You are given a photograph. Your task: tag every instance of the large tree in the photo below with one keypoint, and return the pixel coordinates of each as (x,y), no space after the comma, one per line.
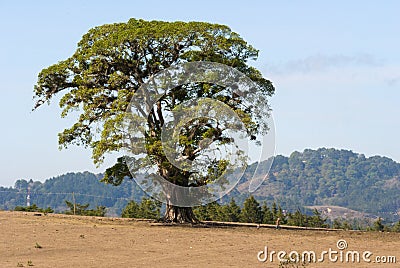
(114,61)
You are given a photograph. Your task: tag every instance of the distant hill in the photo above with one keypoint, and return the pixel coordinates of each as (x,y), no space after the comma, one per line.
(86,187)
(323,177)
(330,177)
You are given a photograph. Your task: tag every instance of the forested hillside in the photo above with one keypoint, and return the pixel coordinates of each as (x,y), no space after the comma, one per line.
(333,177)
(84,187)
(314,177)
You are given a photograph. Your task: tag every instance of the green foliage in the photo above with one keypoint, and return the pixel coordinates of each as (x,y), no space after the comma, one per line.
(337,224)
(274,210)
(297,219)
(131,210)
(147,209)
(33,208)
(216,212)
(268,216)
(378,225)
(210,212)
(396,227)
(251,211)
(150,208)
(78,209)
(231,212)
(316,220)
(346,226)
(280,215)
(110,64)
(201,213)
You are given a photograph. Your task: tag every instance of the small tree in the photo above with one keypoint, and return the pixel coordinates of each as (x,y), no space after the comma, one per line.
(232,211)
(378,225)
(251,211)
(210,212)
(147,209)
(268,217)
(150,208)
(76,209)
(396,227)
(346,225)
(281,215)
(337,224)
(34,208)
(317,220)
(99,211)
(297,219)
(131,210)
(274,209)
(82,210)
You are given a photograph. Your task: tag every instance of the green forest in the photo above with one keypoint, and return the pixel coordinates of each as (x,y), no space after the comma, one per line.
(85,187)
(312,177)
(334,177)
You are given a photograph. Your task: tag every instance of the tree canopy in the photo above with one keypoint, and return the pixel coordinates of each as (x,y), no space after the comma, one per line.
(113,61)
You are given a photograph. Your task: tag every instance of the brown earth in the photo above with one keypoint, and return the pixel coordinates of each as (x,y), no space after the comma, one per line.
(73,241)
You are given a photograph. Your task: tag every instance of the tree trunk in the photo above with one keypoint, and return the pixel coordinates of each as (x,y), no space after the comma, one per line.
(179,214)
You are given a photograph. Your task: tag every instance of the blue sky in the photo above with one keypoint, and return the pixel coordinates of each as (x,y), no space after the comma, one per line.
(336,68)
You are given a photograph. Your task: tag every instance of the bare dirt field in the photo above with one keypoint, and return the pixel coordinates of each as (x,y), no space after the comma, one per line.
(72,241)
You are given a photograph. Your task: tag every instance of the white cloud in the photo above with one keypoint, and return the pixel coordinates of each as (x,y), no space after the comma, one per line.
(321,63)
(341,72)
